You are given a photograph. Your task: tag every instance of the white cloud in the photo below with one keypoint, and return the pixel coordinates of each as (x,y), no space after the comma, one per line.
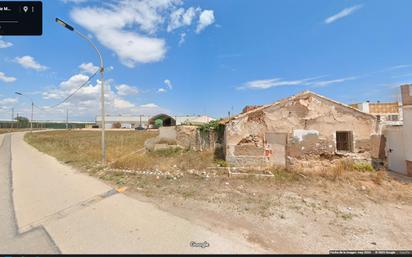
(180,18)
(5,78)
(125,90)
(122,104)
(5,44)
(330,82)
(8,101)
(86,102)
(182,38)
(150,105)
(29,62)
(168,83)
(88,68)
(345,12)
(276,82)
(129,27)
(68,87)
(206,18)
(169,86)
(111,26)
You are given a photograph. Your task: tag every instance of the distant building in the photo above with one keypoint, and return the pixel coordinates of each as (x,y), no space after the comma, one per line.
(399,137)
(144,121)
(389,113)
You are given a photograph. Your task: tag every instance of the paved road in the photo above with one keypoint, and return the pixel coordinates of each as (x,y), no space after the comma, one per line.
(58,209)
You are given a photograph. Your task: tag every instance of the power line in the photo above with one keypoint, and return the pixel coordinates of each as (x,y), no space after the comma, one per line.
(77,90)
(47,109)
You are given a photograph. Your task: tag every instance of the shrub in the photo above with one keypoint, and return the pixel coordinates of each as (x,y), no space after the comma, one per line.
(339,168)
(221,163)
(363,167)
(168,152)
(379,177)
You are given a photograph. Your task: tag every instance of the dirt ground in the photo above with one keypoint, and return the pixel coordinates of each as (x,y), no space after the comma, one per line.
(311,210)
(305,215)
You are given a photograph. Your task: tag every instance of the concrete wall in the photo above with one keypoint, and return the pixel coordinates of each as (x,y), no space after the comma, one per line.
(407,131)
(187,137)
(395,149)
(310,121)
(167,134)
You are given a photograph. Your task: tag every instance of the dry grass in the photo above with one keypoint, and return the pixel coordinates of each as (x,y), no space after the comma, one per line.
(166,160)
(256,195)
(82,148)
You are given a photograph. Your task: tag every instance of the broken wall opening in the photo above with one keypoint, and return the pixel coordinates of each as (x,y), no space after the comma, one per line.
(344,141)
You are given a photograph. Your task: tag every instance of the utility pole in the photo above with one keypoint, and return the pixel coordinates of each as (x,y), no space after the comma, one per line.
(31,120)
(101,70)
(67,118)
(32,109)
(12,118)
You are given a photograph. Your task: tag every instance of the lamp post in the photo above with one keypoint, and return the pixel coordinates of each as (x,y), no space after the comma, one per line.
(12,118)
(32,108)
(71,28)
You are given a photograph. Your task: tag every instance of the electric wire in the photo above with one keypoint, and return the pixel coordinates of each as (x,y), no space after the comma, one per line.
(48,108)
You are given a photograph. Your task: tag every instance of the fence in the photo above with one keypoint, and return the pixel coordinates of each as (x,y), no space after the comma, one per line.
(44,125)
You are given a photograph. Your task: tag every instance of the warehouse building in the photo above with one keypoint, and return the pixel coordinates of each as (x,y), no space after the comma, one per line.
(144,121)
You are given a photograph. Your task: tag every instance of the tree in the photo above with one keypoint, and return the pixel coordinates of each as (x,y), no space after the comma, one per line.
(22,122)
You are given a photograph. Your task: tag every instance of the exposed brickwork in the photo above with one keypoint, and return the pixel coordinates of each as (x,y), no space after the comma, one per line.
(249,108)
(383,108)
(409,168)
(406,91)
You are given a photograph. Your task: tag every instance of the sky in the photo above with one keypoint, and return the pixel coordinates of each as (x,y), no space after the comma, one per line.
(205,57)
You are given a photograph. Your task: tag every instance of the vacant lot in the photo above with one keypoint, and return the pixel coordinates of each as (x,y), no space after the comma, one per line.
(331,205)
(82,148)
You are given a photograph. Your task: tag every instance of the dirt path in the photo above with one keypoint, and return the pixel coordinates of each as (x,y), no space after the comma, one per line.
(84,215)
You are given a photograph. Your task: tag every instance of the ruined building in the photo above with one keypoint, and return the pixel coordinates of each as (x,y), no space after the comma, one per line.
(300,126)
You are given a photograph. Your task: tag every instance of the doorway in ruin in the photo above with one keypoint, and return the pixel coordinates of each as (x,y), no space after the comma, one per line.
(275,148)
(344,141)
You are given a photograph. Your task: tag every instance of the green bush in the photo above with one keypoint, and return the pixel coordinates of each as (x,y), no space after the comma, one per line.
(221,163)
(363,167)
(167,152)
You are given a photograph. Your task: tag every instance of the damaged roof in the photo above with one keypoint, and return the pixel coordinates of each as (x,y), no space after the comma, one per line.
(291,98)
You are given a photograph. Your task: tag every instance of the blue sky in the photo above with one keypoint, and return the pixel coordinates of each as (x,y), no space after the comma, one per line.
(207,57)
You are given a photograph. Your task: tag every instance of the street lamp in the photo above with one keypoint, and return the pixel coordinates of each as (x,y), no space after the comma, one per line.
(32,106)
(67,26)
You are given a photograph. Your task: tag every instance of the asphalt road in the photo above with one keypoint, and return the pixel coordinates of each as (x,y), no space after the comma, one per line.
(52,208)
